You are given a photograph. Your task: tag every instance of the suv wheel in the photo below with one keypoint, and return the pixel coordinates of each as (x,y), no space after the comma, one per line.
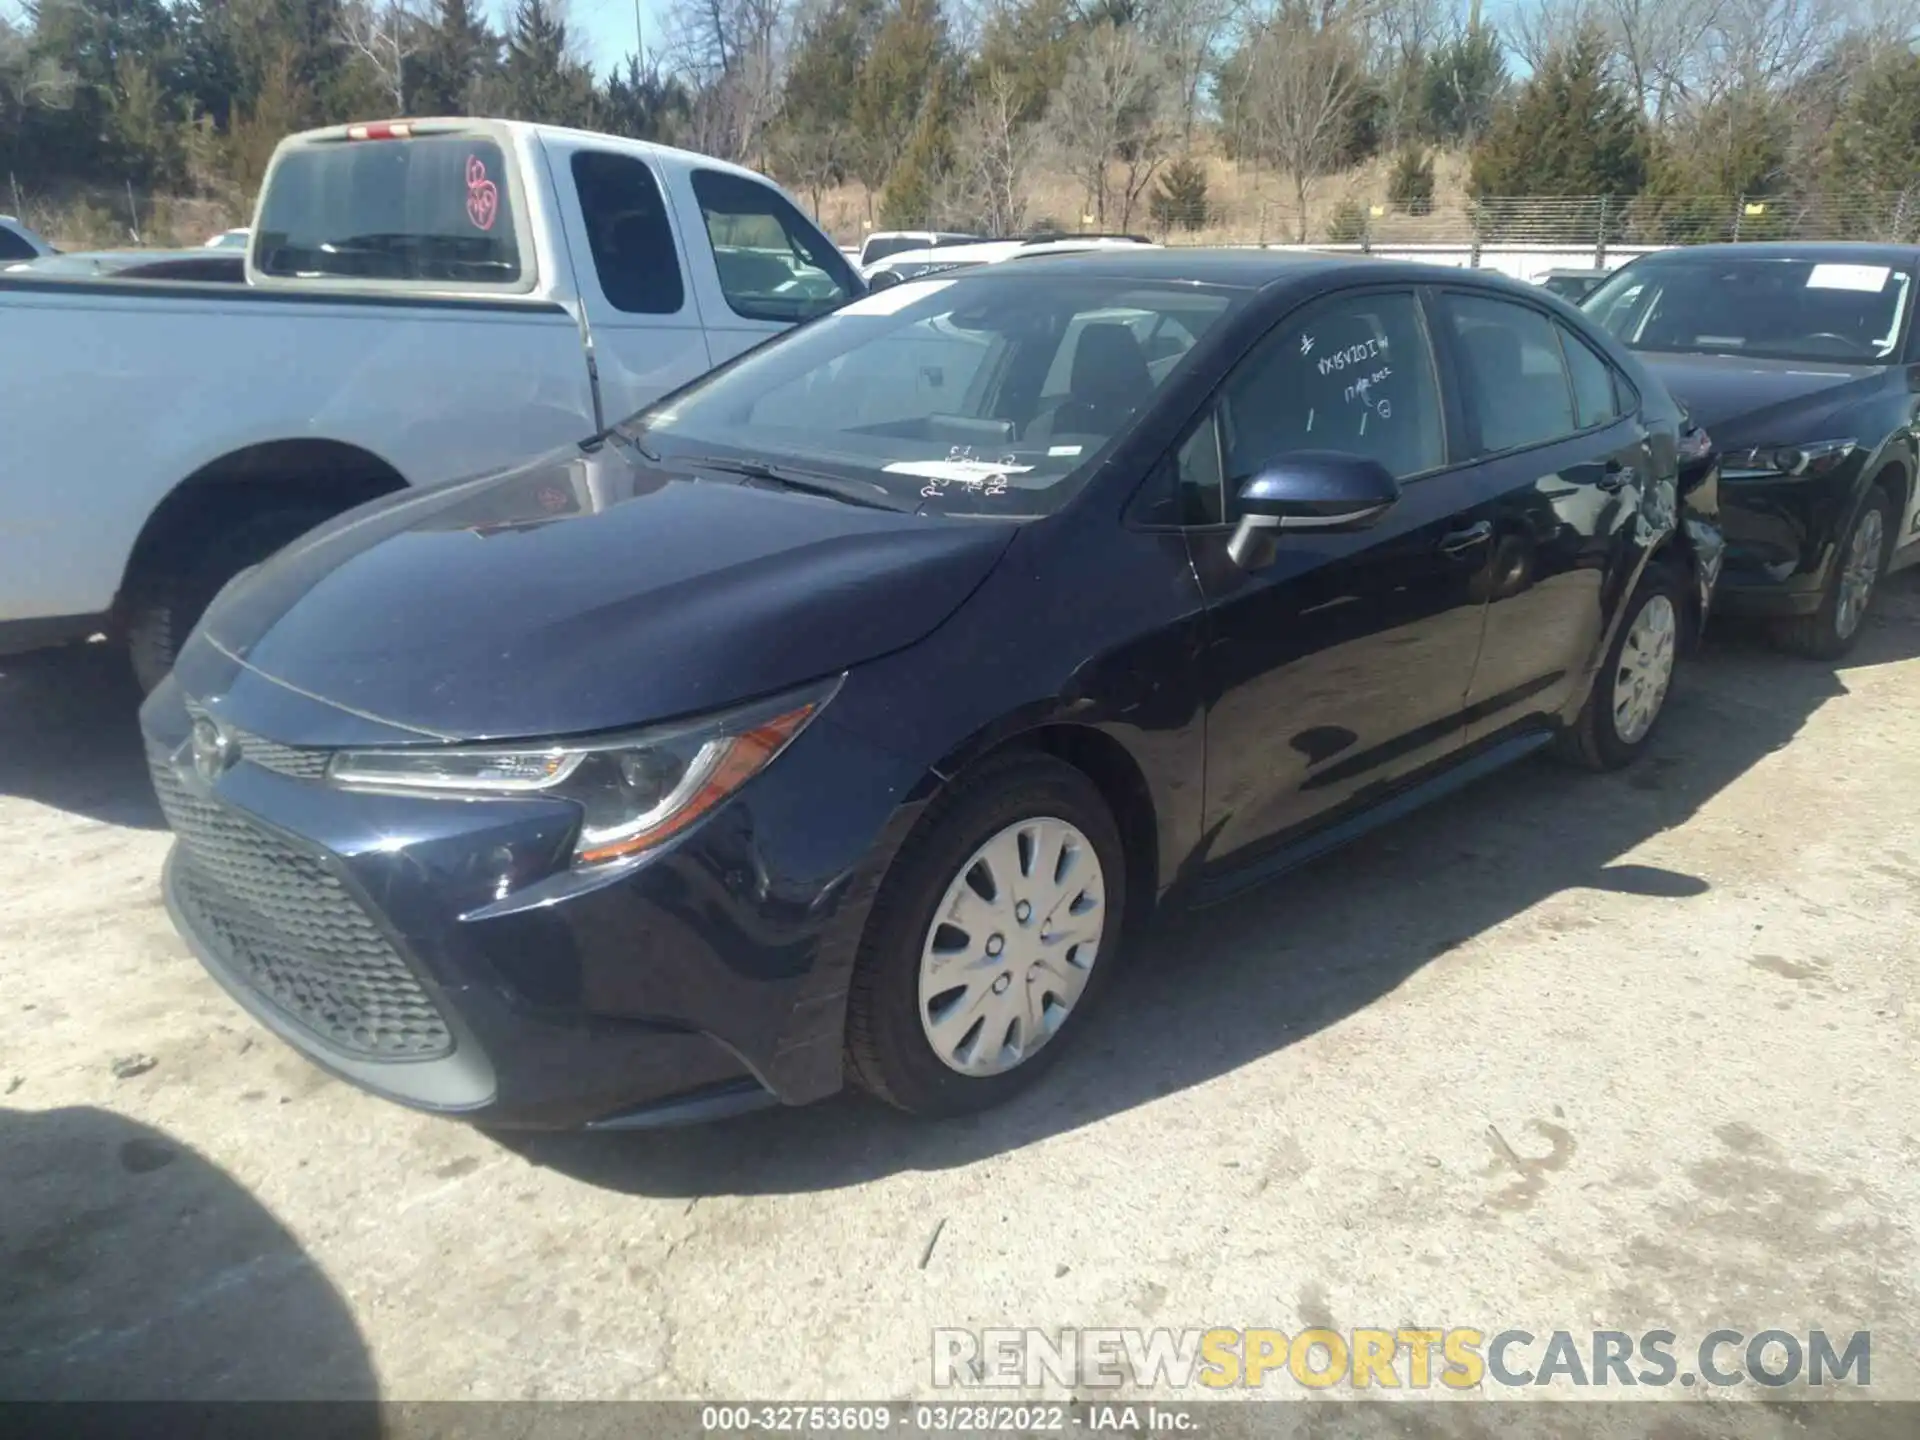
(1832,630)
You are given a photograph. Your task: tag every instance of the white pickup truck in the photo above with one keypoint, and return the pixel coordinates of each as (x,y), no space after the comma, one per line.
(424,300)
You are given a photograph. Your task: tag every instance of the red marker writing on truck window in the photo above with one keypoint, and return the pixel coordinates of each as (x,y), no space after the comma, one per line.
(483,196)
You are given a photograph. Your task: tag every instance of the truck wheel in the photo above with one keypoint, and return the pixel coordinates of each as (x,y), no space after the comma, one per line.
(1832,630)
(172,588)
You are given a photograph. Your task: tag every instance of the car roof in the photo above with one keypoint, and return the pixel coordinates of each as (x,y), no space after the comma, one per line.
(1829,251)
(1246,268)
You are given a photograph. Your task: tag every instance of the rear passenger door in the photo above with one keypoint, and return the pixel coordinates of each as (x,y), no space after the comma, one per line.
(633,280)
(1562,459)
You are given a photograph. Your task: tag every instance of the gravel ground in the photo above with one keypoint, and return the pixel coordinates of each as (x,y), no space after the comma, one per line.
(1563,1053)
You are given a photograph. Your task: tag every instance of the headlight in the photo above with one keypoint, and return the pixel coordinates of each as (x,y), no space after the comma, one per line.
(1800,462)
(636,790)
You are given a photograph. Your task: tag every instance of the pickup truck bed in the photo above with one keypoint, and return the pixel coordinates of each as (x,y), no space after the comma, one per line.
(162,436)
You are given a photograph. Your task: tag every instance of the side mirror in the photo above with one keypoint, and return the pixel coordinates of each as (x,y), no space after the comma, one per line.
(1310,490)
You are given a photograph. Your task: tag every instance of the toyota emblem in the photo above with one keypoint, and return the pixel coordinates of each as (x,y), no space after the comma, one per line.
(213,750)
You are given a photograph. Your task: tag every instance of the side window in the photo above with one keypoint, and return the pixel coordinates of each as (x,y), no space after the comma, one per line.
(1516,379)
(1203,490)
(629,233)
(1351,373)
(773,265)
(1595,396)
(12,247)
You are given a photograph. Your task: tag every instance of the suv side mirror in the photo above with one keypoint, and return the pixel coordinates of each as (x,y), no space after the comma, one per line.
(1310,490)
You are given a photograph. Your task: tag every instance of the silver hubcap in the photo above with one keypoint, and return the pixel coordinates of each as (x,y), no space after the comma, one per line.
(1857,576)
(1011,946)
(1646,668)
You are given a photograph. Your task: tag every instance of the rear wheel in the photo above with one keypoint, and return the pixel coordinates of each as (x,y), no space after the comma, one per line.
(1630,693)
(171,588)
(992,936)
(1832,630)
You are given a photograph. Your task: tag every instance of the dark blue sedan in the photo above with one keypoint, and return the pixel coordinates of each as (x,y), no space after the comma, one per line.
(837,715)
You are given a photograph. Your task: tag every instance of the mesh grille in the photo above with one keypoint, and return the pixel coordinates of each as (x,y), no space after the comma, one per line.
(301,764)
(291,931)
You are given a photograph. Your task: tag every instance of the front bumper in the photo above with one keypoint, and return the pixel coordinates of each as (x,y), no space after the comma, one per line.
(1781,540)
(441,954)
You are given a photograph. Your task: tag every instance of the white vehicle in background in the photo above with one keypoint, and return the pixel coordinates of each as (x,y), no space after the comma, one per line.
(913,264)
(881,244)
(230,239)
(424,300)
(17,242)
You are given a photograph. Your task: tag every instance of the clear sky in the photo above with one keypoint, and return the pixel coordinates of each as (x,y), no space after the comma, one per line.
(606,27)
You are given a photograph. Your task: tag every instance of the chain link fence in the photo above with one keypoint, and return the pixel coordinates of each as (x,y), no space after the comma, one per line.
(1586,227)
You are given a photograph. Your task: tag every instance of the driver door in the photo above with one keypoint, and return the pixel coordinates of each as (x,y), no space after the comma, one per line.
(1338,670)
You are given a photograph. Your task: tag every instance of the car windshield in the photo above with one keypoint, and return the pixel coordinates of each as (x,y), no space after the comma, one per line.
(1784,309)
(987,393)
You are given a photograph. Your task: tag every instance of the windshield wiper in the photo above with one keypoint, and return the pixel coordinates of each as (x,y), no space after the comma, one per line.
(804,482)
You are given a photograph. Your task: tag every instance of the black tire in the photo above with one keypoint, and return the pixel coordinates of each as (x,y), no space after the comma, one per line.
(172,588)
(1821,635)
(1594,741)
(888,1052)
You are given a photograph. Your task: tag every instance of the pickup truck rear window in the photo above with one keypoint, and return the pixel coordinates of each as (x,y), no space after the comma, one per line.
(432,209)
(773,265)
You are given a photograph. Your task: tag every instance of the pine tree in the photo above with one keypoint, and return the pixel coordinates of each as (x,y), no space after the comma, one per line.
(1410,186)
(541,80)
(900,102)
(1571,131)
(1462,83)
(457,50)
(1180,199)
(1876,145)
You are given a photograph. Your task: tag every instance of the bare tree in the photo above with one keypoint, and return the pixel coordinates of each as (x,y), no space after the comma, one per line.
(734,51)
(992,154)
(1399,37)
(1303,82)
(1112,109)
(1188,34)
(383,33)
(1538,31)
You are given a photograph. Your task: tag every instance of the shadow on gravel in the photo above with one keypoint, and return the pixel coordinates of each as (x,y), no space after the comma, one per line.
(1208,991)
(132,1268)
(70,735)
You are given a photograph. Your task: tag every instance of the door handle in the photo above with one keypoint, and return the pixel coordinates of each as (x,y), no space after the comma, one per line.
(1616,476)
(1461,541)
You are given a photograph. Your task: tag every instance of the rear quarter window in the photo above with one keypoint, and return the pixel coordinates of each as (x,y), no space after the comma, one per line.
(435,210)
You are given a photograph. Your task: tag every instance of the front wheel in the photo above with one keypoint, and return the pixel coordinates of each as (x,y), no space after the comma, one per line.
(1832,630)
(1630,692)
(991,937)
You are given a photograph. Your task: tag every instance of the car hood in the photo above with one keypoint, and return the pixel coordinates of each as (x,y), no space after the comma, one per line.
(1741,400)
(590,591)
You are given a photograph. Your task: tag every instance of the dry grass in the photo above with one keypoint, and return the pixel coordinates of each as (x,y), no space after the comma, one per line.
(1247,204)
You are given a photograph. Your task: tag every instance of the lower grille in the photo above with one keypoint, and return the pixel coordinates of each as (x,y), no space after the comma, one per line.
(290,930)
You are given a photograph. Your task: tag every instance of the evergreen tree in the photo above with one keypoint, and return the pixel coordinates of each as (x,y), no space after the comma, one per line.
(1571,131)
(457,51)
(643,103)
(1180,199)
(1462,83)
(1876,144)
(900,102)
(541,81)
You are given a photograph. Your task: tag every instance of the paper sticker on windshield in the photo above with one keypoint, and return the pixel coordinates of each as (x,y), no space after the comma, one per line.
(1054,452)
(960,472)
(894,298)
(1870,279)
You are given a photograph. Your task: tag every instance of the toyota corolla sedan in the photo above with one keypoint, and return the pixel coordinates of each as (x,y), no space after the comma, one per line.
(839,714)
(1803,364)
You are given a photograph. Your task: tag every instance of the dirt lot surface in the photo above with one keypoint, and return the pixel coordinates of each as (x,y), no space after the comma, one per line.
(1564,1053)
